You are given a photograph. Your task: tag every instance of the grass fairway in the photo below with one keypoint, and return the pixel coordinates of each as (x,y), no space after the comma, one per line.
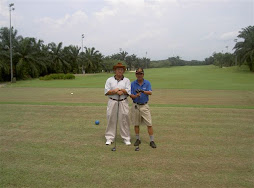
(204,135)
(187,77)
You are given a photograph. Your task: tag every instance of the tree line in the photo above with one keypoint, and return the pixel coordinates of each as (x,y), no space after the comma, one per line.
(176,61)
(32,58)
(217,59)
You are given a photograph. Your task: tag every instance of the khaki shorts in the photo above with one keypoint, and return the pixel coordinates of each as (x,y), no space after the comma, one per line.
(141,115)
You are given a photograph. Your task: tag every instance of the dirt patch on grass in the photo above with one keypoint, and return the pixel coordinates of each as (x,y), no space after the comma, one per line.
(2,85)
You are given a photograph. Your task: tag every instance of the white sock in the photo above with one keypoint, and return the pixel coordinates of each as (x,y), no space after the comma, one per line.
(151,138)
(137,136)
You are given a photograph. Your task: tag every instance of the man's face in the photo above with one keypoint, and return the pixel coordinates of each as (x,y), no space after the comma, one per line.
(139,75)
(119,71)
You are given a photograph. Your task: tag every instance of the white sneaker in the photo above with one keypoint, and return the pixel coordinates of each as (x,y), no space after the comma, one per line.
(127,143)
(108,142)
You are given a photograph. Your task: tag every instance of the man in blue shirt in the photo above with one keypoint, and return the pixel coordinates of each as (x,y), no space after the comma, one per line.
(140,112)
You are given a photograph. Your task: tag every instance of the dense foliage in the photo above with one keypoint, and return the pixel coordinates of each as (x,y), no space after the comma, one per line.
(222,59)
(32,58)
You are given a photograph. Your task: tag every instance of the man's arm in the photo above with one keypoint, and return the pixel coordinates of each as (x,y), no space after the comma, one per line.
(124,91)
(135,96)
(149,89)
(148,92)
(113,91)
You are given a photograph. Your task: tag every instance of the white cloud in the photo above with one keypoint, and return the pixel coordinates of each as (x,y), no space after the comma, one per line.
(188,28)
(209,36)
(224,36)
(208,1)
(4,12)
(61,29)
(161,27)
(105,12)
(229,35)
(76,18)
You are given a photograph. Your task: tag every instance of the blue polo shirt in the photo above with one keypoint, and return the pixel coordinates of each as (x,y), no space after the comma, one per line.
(146,86)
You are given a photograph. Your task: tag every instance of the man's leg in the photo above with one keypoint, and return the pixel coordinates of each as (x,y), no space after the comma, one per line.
(111,124)
(135,117)
(138,141)
(124,121)
(150,132)
(136,128)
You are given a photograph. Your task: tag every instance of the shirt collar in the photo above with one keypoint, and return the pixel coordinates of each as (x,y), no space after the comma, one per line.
(138,83)
(120,79)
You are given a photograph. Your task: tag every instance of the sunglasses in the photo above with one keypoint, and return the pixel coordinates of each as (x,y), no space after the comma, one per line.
(139,73)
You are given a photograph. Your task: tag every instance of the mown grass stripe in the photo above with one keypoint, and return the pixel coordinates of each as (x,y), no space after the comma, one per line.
(151,105)
(202,106)
(55,103)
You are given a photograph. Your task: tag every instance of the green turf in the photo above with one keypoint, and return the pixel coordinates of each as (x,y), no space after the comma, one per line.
(152,105)
(202,77)
(60,146)
(203,120)
(187,77)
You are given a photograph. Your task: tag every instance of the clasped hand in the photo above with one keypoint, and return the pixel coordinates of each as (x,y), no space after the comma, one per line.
(118,91)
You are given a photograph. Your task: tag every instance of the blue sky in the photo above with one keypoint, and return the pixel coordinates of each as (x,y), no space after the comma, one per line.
(191,29)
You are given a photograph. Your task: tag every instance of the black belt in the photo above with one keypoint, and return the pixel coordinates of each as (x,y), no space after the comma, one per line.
(140,103)
(117,99)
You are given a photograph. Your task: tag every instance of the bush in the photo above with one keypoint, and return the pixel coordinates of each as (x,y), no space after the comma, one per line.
(58,77)
(47,77)
(69,76)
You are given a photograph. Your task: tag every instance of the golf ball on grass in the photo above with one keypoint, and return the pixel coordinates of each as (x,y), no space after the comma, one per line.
(97,122)
(71,93)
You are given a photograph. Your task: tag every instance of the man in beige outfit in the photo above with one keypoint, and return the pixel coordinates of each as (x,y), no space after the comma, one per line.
(118,88)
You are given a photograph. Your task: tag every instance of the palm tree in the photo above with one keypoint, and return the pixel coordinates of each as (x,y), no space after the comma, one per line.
(128,61)
(5,37)
(108,63)
(58,62)
(4,51)
(218,59)
(4,62)
(4,70)
(245,49)
(92,59)
(123,55)
(131,61)
(71,54)
(27,58)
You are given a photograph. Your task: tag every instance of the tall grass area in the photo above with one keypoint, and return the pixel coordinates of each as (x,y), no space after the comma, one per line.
(186,77)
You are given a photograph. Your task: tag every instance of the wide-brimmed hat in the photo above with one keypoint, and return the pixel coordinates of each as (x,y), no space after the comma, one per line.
(119,65)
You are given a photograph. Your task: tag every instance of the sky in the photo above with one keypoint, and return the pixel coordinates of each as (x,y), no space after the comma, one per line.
(156,29)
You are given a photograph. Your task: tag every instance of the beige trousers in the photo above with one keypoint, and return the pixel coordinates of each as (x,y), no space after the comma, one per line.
(123,120)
